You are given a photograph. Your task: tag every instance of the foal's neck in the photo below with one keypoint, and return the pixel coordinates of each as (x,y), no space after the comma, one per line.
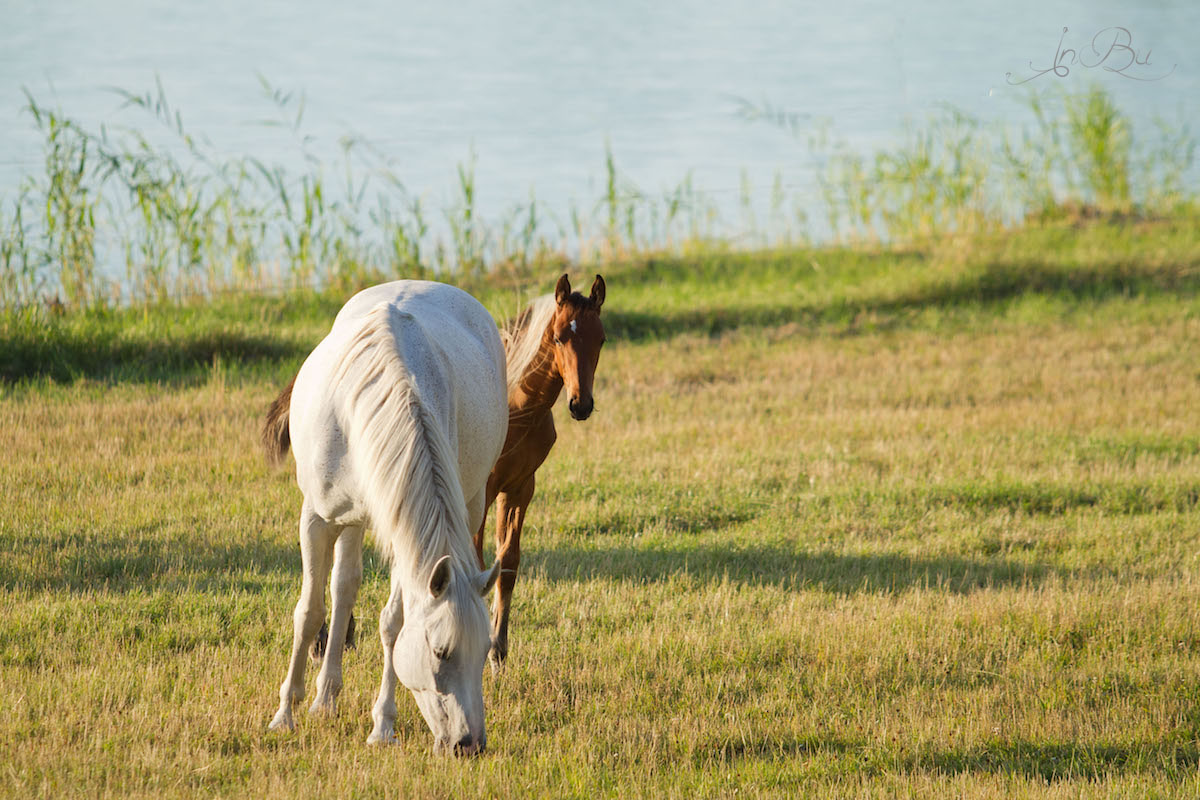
(541,383)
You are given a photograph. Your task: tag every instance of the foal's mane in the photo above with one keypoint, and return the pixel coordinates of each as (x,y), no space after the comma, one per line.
(522,338)
(400,454)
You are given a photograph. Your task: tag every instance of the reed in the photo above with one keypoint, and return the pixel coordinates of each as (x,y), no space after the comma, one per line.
(156,215)
(952,174)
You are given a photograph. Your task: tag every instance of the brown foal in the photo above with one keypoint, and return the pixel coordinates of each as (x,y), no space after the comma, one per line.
(554,344)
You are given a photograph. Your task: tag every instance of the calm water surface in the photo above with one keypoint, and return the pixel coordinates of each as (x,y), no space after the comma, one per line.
(537,88)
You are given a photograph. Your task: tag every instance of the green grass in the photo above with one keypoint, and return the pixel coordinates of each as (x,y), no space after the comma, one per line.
(870,522)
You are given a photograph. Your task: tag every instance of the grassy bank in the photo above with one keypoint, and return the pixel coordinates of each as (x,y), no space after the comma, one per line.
(847,522)
(1068,267)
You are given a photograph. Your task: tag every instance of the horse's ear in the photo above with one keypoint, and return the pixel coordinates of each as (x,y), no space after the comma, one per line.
(439,579)
(598,292)
(563,290)
(484,581)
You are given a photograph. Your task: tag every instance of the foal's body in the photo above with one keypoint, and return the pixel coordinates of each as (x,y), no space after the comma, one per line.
(395,420)
(554,344)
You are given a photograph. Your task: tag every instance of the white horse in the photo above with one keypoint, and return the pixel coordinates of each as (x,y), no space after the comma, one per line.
(396,419)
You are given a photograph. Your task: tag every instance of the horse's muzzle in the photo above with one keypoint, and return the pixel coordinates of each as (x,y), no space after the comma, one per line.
(580,409)
(466,747)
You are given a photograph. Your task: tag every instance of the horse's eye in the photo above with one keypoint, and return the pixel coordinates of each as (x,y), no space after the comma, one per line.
(441,653)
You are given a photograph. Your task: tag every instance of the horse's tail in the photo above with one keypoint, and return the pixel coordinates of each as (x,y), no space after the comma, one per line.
(276,438)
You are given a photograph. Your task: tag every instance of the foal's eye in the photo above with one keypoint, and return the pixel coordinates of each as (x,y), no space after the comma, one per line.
(441,653)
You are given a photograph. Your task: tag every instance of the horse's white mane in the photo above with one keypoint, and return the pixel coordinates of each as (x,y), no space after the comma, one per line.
(522,338)
(400,454)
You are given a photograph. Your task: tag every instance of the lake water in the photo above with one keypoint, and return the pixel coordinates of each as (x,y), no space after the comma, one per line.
(536,89)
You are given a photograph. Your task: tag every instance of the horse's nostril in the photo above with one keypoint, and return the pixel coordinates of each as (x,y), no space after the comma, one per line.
(469,747)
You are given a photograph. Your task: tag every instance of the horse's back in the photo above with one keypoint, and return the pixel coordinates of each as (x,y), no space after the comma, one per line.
(448,346)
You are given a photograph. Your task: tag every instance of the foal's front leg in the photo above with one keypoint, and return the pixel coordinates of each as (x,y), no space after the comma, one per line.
(316,549)
(347,577)
(510,519)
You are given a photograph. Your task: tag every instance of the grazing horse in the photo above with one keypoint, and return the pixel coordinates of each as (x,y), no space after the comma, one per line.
(554,344)
(396,419)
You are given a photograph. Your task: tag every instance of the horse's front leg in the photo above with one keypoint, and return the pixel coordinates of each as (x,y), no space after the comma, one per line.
(316,550)
(510,519)
(391,620)
(347,577)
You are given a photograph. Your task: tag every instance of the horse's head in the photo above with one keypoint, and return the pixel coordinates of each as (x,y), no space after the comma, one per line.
(440,652)
(578,336)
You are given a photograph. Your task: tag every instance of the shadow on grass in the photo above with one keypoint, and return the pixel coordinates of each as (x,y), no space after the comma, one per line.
(167,343)
(182,344)
(62,353)
(991,285)
(1123,498)
(142,560)
(768,565)
(659,520)
(1046,761)
(1055,761)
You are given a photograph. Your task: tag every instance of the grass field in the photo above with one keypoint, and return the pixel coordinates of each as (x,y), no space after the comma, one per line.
(918,522)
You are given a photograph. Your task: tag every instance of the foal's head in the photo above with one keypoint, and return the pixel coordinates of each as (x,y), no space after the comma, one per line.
(578,336)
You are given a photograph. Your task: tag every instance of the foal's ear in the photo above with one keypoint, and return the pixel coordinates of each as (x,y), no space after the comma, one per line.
(439,579)
(484,581)
(563,290)
(598,292)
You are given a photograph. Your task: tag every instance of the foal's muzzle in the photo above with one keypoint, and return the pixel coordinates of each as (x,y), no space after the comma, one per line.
(580,409)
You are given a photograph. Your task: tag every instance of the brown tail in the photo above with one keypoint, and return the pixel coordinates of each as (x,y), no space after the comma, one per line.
(276,438)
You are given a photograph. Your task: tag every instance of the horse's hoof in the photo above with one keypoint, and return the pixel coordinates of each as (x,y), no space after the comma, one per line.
(382,737)
(282,722)
(496,658)
(323,708)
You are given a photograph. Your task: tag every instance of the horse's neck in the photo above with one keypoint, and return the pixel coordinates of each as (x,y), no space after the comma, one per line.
(540,384)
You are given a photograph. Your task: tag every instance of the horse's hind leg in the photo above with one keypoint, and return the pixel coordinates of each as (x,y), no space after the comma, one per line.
(316,550)
(347,577)
(478,516)
(510,519)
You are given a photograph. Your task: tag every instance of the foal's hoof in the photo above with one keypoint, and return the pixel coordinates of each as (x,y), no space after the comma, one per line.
(317,651)
(319,645)
(497,657)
